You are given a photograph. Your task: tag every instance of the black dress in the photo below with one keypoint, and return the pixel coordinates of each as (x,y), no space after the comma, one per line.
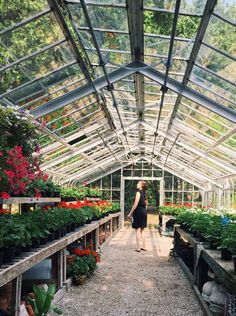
(140,213)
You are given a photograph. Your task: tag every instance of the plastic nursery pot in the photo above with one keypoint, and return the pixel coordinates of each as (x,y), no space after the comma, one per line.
(1,257)
(50,237)
(18,250)
(8,254)
(226,254)
(212,245)
(43,240)
(80,280)
(234,262)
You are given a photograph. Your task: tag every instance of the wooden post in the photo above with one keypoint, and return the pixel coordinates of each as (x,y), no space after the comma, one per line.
(60,261)
(111,223)
(16,295)
(97,244)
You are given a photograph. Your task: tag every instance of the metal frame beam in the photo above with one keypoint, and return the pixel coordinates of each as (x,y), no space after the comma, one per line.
(196,151)
(84,91)
(180,175)
(189,93)
(86,147)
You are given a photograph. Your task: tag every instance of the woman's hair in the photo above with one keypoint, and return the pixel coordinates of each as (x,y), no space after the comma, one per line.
(143,185)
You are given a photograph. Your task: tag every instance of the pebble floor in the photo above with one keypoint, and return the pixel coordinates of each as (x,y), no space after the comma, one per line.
(132,283)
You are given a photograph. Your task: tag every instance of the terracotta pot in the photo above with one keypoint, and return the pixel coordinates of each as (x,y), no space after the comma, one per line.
(70,258)
(30,310)
(80,280)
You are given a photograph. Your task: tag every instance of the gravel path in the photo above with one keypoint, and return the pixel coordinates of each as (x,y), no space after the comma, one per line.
(131,283)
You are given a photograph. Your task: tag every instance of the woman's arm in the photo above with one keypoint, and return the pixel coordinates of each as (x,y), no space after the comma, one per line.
(137,198)
(146,202)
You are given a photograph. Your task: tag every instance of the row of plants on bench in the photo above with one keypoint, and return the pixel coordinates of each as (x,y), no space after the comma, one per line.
(21,232)
(216,228)
(172,210)
(79,192)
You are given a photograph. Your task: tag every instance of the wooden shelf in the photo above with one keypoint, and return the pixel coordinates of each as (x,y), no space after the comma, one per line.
(224,270)
(186,236)
(29,259)
(30,200)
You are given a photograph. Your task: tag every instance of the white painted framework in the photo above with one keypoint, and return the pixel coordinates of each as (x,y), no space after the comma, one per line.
(130,102)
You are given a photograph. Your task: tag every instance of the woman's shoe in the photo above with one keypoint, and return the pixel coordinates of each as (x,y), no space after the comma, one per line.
(138,250)
(143,249)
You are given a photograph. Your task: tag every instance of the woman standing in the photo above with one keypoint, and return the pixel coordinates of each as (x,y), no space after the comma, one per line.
(139,214)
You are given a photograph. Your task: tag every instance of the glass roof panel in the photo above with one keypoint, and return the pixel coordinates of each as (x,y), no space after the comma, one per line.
(48,87)
(227,9)
(30,38)
(35,67)
(27,9)
(221,35)
(190,6)
(214,83)
(199,86)
(216,62)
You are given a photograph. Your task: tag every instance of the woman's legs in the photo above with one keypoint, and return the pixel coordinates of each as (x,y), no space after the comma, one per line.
(138,237)
(143,237)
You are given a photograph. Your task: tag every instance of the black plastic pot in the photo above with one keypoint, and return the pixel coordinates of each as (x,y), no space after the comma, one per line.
(1,257)
(43,240)
(88,221)
(212,245)
(8,254)
(26,248)
(73,226)
(35,243)
(234,262)
(226,254)
(57,234)
(18,250)
(50,237)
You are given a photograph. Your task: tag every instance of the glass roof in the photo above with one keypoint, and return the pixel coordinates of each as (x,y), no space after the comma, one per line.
(111,82)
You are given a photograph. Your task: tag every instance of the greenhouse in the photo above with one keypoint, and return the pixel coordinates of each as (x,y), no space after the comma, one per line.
(118,157)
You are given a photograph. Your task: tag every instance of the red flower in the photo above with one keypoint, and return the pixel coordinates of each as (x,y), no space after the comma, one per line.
(1,153)
(18,149)
(9,173)
(54,126)
(45,177)
(10,161)
(5,195)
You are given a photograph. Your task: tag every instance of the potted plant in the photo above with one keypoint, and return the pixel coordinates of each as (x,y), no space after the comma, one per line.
(42,304)
(228,241)
(78,270)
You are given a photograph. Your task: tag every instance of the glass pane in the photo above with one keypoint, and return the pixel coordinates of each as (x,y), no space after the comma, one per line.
(29,38)
(214,83)
(48,87)
(226,8)
(221,35)
(216,62)
(161,23)
(190,6)
(35,67)
(10,13)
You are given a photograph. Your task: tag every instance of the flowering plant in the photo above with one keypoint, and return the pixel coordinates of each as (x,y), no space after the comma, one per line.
(17,129)
(17,173)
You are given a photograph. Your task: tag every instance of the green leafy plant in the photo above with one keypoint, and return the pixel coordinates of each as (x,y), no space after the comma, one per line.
(42,304)
(78,267)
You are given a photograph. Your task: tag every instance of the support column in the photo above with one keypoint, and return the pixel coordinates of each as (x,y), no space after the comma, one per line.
(16,295)
(97,243)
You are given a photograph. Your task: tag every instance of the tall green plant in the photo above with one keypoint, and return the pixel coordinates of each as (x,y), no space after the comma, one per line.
(42,304)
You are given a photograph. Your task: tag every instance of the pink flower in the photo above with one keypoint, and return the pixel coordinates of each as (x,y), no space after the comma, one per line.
(1,153)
